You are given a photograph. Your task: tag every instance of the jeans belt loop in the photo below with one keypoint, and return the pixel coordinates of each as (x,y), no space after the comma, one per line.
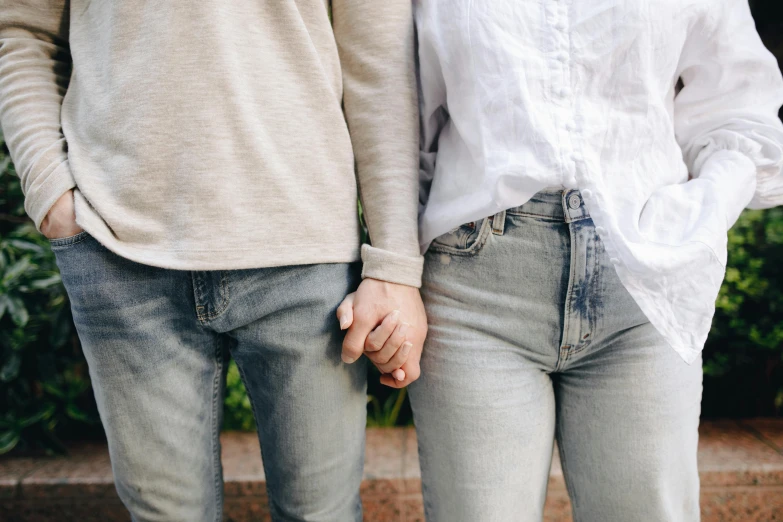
(499,223)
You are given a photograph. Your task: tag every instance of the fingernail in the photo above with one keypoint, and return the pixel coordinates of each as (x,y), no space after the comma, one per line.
(395,315)
(343,323)
(399,375)
(347,359)
(404,328)
(406,347)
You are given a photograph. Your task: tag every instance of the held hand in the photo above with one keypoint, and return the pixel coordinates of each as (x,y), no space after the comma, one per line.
(61,220)
(386,322)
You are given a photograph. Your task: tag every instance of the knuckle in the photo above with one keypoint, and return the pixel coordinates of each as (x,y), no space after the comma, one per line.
(351,347)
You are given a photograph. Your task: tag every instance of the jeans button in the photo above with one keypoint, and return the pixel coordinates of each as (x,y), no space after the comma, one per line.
(574,201)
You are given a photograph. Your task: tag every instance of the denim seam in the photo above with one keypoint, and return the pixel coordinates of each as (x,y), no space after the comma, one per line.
(63,242)
(216,429)
(223,303)
(564,349)
(533,214)
(478,244)
(564,465)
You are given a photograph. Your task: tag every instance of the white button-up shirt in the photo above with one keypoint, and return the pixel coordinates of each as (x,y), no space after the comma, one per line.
(519,95)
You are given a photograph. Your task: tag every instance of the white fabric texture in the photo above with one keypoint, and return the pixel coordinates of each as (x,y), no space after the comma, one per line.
(517,96)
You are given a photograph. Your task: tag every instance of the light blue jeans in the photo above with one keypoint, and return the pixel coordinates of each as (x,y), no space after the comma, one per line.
(157,342)
(533,338)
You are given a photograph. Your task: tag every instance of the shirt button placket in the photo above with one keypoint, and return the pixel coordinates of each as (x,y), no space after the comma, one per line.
(561,71)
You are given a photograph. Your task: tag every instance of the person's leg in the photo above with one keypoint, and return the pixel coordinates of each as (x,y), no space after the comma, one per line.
(484,406)
(485,424)
(627,405)
(158,381)
(627,428)
(309,406)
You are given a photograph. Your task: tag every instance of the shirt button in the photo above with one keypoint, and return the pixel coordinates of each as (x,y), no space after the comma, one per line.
(560,26)
(576,158)
(587,193)
(574,201)
(562,57)
(565,92)
(600,230)
(614,261)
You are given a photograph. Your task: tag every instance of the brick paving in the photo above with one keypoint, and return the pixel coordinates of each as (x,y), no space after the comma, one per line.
(741,466)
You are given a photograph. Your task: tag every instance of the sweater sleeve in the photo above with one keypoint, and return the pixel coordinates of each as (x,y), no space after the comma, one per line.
(35,67)
(726,115)
(375,43)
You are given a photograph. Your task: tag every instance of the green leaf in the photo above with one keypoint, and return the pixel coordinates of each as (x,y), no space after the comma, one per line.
(17,269)
(46,412)
(9,440)
(40,284)
(4,304)
(27,246)
(78,414)
(10,369)
(53,390)
(19,314)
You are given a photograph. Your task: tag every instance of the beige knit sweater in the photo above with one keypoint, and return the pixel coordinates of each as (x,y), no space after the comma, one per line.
(212,134)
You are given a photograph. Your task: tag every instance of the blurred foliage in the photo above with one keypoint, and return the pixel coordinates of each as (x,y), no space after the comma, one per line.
(237,411)
(743,358)
(45,393)
(44,384)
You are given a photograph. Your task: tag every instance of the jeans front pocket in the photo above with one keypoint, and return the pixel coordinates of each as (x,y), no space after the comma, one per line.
(61,243)
(464,240)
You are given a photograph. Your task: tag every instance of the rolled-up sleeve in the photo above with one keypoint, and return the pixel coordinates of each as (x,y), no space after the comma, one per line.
(726,115)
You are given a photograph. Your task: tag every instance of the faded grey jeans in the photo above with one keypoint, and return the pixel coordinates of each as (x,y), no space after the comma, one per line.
(533,338)
(157,342)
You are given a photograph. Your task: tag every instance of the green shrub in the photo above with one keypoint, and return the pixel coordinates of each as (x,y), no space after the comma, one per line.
(743,358)
(44,386)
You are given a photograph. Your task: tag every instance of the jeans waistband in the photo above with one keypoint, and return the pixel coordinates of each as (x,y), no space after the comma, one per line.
(565,205)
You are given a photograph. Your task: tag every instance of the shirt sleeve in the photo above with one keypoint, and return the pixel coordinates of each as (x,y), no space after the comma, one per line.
(375,43)
(432,106)
(726,115)
(35,67)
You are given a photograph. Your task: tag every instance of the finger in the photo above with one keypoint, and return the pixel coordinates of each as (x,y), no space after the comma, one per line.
(391,350)
(353,344)
(398,374)
(397,359)
(345,311)
(412,372)
(378,337)
(391,382)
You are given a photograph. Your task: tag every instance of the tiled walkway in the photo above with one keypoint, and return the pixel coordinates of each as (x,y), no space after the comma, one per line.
(741,465)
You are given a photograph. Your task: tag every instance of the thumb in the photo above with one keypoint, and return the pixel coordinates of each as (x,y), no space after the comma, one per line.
(345,311)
